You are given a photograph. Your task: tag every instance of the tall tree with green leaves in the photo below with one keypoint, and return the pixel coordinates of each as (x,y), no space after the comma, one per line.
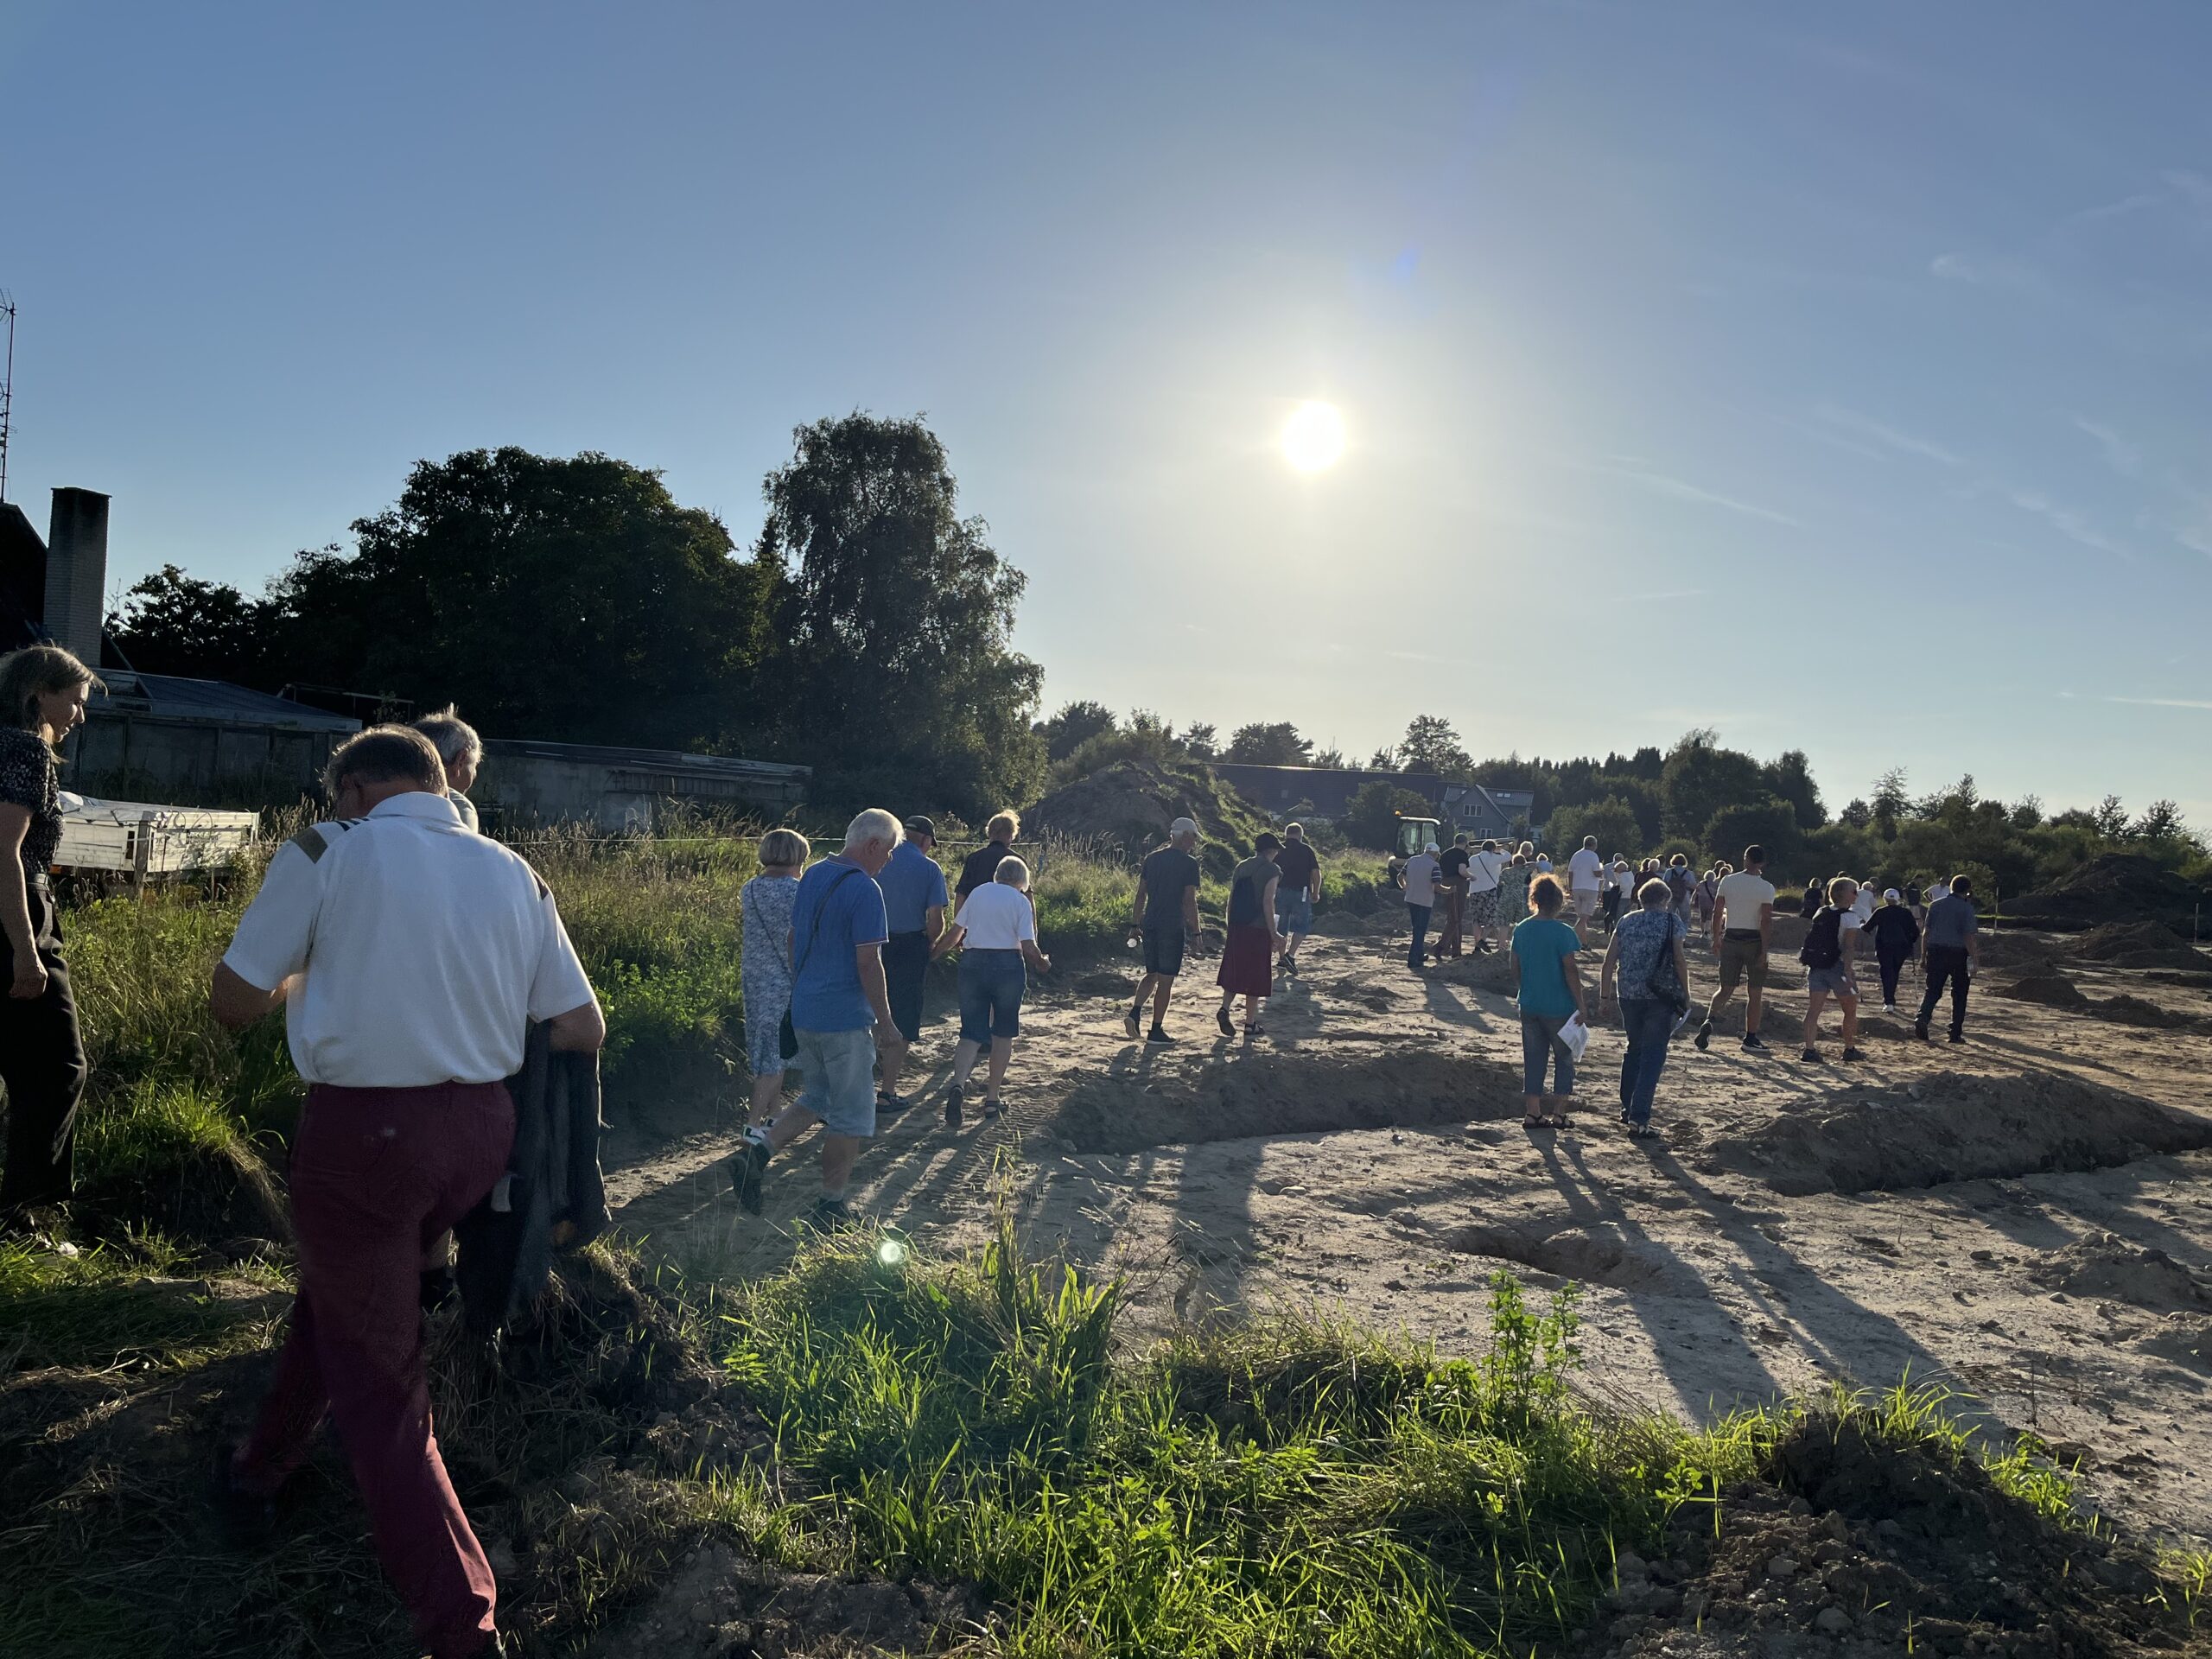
(1074,725)
(896,674)
(1276,745)
(171,623)
(1431,745)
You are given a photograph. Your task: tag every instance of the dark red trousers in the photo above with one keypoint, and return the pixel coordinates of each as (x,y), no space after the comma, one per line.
(377,1175)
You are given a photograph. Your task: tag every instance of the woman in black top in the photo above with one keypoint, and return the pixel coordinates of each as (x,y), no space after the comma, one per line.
(1896,941)
(42,692)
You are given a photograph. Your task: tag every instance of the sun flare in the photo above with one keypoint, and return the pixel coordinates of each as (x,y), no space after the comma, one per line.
(1314,437)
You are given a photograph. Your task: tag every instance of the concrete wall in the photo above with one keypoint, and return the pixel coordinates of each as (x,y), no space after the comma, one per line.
(515,790)
(194,762)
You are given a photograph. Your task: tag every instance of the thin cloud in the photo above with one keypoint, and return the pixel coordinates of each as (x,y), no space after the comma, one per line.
(2141,702)
(2122,456)
(2067,523)
(2008,275)
(1682,491)
(1904,443)
(2121,209)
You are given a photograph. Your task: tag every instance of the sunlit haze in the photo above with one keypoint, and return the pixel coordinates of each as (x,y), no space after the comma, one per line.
(1835,376)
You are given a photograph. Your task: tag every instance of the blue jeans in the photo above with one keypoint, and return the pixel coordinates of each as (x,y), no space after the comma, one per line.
(991,984)
(1539,1038)
(1649,1022)
(1419,913)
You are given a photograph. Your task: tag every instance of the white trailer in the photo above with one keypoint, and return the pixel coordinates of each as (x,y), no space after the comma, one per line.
(145,841)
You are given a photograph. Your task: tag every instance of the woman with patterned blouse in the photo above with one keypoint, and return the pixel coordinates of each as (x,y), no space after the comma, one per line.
(42,692)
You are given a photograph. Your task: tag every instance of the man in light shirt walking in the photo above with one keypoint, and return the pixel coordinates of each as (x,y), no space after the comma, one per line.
(1586,876)
(410,957)
(1421,872)
(1742,915)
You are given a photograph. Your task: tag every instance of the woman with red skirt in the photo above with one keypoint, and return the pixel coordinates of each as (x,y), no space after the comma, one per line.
(1247,958)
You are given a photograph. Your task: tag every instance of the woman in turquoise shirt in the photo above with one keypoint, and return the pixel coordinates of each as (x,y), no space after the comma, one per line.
(1550,990)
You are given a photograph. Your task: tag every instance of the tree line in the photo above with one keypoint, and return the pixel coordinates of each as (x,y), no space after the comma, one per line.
(865,630)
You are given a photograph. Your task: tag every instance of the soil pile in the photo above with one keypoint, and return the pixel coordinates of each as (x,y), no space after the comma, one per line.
(1955,1127)
(2109,1269)
(2052,990)
(2140,944)
(1853,1546)
(1128,805)
(2136,1011)
(2113,887)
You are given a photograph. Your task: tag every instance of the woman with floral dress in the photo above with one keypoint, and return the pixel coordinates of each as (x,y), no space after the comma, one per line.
(765,907)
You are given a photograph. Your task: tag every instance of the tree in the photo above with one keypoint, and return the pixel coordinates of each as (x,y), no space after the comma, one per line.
(1612,820)
(2111,818)
(1073,725)
(1278,744)
(1891,801)
(2162,823)
(1200,741)
(1371,816)
(895,670)
(572,599)
(171,623)
(1383,759)
(1700,778)
(1771,823)
(1857,815)
(1789,777)
(2027,811)
(1431,745)
(1330,760)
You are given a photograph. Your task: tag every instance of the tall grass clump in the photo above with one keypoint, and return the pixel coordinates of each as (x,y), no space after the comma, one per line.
(1291,1486)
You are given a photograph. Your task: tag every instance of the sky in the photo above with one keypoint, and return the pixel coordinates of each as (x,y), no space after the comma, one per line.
(1840,378)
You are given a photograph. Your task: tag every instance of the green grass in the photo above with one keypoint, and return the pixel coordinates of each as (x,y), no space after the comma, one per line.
(130,1304)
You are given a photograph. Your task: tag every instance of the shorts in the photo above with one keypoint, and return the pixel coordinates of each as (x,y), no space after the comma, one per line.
(1482,908)
(839,1070)
(1586,902)
(1834,980)
(1294,912)
(1163,950)
(991,984)
(1743,958)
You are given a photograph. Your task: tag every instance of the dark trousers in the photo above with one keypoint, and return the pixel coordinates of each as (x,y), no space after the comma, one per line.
(1945,961)
(905,965)
(1450,942)
(377,1174)
(1417,953)
(42,1064)
(1890,959)
(1649,1022)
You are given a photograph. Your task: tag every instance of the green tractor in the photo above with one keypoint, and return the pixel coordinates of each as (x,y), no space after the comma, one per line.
(1413,834)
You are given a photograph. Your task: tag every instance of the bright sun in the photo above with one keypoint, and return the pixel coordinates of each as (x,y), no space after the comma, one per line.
(1314,437)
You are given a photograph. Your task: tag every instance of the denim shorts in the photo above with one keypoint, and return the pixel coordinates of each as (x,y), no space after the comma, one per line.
(839,1069)
(1834,980)
(1294,912)
(991,984)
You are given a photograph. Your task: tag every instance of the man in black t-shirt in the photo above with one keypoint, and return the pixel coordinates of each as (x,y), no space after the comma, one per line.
(1166,917)
(1297,886)
(981,868)
(1451,893)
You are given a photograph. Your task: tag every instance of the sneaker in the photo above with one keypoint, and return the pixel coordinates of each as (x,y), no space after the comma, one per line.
(1920,1031)
(829,1215)
(1752,1041)
(1704,1036)
(1889,1008)
(1158,1035)
(887,1102)
(748,1171)
(954,1095)
(1129,1025)
(1958,1037)
(1811,1056)
(1221,1019)
(1853,1054)
(990,1111)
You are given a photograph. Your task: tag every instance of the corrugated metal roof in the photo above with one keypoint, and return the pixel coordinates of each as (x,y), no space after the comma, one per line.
(600,754)
(171,696)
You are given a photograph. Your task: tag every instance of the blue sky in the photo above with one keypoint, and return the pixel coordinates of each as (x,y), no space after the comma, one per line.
(1839,377)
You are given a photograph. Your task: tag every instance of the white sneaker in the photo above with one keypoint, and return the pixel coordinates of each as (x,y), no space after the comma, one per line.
(1889,1008)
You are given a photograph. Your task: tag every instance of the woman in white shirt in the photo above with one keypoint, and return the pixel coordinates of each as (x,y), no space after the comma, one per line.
(997,934)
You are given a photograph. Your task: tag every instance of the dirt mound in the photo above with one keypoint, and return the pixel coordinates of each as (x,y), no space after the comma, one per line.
(1129,804)
(2114,887)
(1489,971)
(1593,1255)
(2052,990)
(1856,1546)
(1285,1094)
(2107,1268)
(1955,1127)
(2141,944)
(2136,1011)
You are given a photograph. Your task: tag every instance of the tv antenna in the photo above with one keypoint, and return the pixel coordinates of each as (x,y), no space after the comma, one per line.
(7,386)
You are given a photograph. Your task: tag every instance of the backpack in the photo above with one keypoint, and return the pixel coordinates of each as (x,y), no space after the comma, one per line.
(1823,946)
(1679,880)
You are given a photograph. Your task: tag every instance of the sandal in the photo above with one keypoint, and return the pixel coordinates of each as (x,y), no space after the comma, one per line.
(1537,1121)
(1255,1031)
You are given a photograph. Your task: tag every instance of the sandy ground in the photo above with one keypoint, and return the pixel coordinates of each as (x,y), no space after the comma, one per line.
(2025,1218)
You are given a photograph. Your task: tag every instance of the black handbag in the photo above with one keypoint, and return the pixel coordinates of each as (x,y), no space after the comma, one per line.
(1660,983)
(786,1033)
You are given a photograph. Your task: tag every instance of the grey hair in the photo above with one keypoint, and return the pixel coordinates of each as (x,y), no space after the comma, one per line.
(450,734)
(783,850)
(383,754)
(874,824)
(1012,873)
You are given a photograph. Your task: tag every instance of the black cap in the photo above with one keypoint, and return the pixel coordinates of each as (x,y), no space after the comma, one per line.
(918,826)
(1267,842)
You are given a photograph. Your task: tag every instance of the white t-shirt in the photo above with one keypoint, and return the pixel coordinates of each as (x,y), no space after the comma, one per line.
(1483,871)
(1863,907)
(1583,869)
(1625,877)
(427,950)
(997,918)
(1740,894)
(1421,871)
(1543,864)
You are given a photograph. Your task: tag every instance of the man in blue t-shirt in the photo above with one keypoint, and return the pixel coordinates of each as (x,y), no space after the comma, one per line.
(840,1013)
(913,903)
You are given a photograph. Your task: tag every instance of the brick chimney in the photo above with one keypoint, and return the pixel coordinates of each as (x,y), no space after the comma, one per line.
(76,572)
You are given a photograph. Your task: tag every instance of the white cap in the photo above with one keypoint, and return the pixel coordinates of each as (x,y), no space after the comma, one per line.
(1184,826)
(1429,846)
(1892,895)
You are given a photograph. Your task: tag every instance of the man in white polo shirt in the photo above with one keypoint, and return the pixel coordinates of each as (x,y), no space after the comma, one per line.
(410,957)
(1586,874)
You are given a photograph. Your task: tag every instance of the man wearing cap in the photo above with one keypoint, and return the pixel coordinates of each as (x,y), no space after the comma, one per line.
(1896,941)
(1167,919)
(1422,870)
(410,957)
(913,905)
